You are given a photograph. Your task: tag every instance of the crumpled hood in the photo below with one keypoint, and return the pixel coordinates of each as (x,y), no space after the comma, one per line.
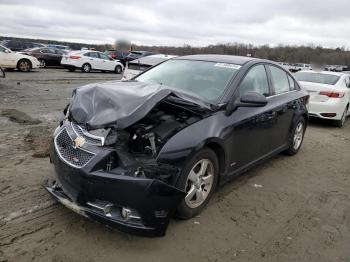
(114,104)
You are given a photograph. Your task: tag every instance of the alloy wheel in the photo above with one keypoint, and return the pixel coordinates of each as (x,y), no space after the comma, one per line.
(199,183)
(298,135)
(42,63)
(24,66)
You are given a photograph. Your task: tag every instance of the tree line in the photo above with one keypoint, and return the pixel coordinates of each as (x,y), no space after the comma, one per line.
(281,53)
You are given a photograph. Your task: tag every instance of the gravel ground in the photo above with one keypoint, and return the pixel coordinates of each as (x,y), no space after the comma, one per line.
(287,209)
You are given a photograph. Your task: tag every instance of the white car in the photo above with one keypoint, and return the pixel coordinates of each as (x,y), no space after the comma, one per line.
(13,60)
(141,64)
(88,60)
(329,94)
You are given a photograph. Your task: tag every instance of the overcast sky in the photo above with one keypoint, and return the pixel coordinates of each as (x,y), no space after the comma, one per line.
(178,22)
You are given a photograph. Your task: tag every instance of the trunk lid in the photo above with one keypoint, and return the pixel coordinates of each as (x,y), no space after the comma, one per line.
(314,90)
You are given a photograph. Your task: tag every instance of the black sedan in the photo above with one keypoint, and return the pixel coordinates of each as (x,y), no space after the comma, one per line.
(134,153)
(46,56)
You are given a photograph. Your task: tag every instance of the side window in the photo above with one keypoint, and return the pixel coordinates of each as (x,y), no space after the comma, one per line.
(103,56)
(279,80)
(291,83)
(92,54)
(47,51)
(255,81)
(2,49)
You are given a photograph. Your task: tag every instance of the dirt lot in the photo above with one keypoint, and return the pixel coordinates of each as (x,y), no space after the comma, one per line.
(288,209)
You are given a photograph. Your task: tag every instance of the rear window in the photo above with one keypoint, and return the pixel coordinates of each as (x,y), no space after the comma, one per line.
(319,78)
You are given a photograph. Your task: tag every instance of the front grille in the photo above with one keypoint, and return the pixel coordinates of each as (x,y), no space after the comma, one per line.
(75,157)
(89,138)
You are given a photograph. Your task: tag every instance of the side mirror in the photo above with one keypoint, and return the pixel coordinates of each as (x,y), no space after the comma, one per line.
(249,99)
(7,51)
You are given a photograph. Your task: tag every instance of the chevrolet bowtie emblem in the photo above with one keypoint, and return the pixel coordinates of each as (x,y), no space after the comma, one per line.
(78,142)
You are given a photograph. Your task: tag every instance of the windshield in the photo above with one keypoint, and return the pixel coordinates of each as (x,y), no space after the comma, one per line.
(317,78)
(203,79)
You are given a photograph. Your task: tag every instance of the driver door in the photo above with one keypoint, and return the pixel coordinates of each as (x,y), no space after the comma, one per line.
(250,133)
(6,58)
(106,63)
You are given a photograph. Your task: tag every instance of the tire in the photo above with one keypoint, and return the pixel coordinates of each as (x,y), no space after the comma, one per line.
(204,185)
(297,137)
(118,69)
(86,68)
(340,123)
(42,63)
(2,73)
(24,65)
(71,69)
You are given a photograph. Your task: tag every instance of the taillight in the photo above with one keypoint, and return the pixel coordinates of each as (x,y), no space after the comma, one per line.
(74,57)
(332,94)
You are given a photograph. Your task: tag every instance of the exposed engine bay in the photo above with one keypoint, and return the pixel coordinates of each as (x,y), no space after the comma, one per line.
(149,134)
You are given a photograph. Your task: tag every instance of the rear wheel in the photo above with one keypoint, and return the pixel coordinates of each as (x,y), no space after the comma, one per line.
(86,68)
(24,65)
(198,179)
(297,137)
(341,122)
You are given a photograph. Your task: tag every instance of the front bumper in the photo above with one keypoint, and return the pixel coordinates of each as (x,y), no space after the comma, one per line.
(91,190)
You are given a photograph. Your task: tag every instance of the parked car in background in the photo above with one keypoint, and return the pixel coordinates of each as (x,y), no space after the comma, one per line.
(329,94)
(300,67)
(132,154)
(88,60)
(137,54)
(19,45)
(63,47)
(286,66)
(12,60)
(118,55)
(139,65)
(46,56)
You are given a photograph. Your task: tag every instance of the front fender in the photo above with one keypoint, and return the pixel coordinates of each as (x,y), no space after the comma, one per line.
(189,140)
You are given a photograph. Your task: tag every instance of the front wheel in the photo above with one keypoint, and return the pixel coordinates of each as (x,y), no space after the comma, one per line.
(42,63)
(198,179)
(118,69)
(24,65)
(297,138)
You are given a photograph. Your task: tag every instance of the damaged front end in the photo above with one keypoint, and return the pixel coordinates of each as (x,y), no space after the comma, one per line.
(110,171)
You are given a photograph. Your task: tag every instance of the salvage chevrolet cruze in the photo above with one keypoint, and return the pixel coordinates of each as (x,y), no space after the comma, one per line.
(132,154)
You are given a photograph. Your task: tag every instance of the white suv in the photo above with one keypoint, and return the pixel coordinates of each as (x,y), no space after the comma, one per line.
(13,60)
(88,60)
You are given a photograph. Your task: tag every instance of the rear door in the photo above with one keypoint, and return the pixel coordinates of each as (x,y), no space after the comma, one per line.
(283,103)
(7,60)
(93,59)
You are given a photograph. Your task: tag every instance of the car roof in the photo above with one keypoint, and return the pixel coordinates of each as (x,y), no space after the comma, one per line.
(238,60)
(323,72)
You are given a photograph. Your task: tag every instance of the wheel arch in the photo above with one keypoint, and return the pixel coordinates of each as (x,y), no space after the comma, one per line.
(220,153)
(24,59)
